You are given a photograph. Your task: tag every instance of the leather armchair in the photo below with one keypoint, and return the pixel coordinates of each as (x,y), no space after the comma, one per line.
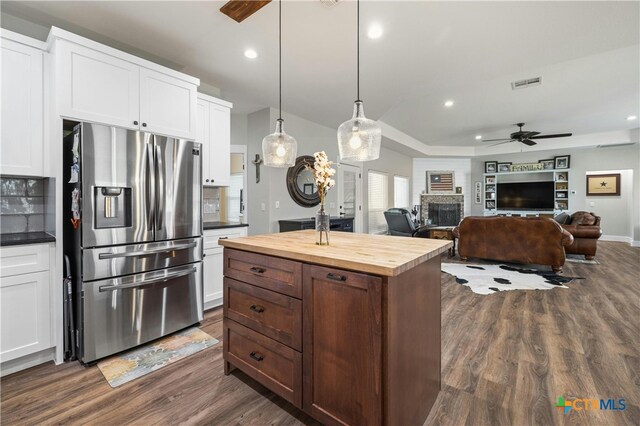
(585,228)
(400,224)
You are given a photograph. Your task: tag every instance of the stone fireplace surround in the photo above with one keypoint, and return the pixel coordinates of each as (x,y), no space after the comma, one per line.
(426,199)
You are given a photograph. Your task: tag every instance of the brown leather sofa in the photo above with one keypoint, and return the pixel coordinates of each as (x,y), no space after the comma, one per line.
(534,240)
(585,228)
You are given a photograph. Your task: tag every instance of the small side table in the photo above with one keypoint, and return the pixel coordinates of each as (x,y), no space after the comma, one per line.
(444,233)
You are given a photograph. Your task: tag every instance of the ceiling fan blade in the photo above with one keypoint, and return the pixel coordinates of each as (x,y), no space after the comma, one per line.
(495,140)
(529,135)
(557,135)
(239,10)
(528,142)
(500,143)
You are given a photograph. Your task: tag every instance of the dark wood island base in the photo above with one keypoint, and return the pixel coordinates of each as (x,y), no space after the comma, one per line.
(347,347)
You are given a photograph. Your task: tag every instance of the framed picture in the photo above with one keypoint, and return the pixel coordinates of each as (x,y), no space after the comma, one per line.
(490,180)
(549,164)
(562,162)
(441,182)
(561,177)
(600,185)
(458,190)
(478,199)
(504,167)
(562,205)
(490,166)
(491,205)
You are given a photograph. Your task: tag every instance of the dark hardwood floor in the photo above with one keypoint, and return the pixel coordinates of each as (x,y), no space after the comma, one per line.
(506,359)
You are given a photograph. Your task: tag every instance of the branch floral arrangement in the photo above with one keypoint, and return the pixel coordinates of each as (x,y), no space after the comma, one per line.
(323,175)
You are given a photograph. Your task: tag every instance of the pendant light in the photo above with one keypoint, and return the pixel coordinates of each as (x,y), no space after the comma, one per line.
(279,149)
(359,138)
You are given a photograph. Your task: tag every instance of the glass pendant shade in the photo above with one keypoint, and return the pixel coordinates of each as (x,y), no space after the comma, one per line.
(279,149)
(359,138)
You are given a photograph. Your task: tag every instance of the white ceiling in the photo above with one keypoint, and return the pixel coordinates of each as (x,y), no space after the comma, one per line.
(588,54)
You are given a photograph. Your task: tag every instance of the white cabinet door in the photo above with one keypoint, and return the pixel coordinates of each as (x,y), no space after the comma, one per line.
(213,277)
(202,136)
(22,110)
(220,143)
(97,87)
(25,315)
(167,105)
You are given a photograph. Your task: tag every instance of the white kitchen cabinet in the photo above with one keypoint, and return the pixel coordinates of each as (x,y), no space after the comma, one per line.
(167,105)
(22,117)
(25,304)
(213,273)
(214,132)
(97,83)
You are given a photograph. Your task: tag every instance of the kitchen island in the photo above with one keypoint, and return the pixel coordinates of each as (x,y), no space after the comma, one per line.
(349,333)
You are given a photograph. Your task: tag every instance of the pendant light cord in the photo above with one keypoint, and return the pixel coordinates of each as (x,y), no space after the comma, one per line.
(280,55)
(358,49)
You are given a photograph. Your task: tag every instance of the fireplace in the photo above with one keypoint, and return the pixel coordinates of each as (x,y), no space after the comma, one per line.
(442,209)
(444,214)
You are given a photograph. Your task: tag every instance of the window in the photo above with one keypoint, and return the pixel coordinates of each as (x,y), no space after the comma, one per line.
(401,192)
(378,202)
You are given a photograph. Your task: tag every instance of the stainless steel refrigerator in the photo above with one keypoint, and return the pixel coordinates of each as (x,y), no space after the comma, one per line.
(133,238)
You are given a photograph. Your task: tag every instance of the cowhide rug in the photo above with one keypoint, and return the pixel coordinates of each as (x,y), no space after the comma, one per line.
(488,279)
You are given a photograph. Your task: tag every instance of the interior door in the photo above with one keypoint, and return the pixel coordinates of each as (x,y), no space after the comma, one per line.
(178,181)
(349,182)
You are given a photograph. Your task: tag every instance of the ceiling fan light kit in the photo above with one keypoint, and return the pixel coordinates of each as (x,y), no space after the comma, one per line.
(279,149)
(359,138)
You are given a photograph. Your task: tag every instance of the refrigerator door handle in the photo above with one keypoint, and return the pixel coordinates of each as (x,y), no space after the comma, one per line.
(159,185)
(136,253)
(151,187)
(161,278)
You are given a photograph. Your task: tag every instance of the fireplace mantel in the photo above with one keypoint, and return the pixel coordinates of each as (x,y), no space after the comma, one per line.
(426,199)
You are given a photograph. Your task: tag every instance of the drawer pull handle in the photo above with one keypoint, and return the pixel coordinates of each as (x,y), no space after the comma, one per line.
(336,277)
(223,238)
(256,356)
(258,270)
(257,308)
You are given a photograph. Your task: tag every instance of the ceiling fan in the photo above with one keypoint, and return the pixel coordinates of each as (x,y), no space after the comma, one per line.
(525,137)
(239,10)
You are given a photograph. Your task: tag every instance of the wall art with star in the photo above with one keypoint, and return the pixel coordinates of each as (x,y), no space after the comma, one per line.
(607,184)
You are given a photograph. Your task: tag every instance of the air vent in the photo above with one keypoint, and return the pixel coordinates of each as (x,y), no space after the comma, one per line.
(521,84)
(329,3)
(615,145)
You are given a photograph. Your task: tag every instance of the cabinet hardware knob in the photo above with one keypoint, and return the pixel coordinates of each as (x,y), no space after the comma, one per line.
(207,180)
(258,270)
(135,123)
(212,180)
(144,124)
(256,356)
(257,308)
(336,277)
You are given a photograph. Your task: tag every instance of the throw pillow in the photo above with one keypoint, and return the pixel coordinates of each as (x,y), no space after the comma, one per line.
(562,218)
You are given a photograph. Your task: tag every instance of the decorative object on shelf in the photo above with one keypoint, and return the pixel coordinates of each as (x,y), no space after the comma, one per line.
(562,205)
(323,175)
(548,164)
(478,199)
(257,162)
(490,166)
(526,167)
(359,139)
(504,167)
(561,177)
(603,184)
(440,182)
(490,180)
(279,149)
(562,161)
(298,177)
(458,190)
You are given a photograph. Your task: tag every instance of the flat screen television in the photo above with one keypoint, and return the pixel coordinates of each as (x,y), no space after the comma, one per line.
(525,196)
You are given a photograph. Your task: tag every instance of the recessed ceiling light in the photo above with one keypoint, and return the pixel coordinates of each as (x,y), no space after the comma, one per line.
(478,137)
(375,31)
(631,118)
(250,53)
(448,104)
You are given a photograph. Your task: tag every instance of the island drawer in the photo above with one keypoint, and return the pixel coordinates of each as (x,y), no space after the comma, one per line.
(273,273)
(273,364)
(272,314)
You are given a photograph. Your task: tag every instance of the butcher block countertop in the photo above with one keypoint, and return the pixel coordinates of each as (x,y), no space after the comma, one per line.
(373,254)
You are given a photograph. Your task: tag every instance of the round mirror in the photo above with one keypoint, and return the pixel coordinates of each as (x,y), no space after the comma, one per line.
(300,182)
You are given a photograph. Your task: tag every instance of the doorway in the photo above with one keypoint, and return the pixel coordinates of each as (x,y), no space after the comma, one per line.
(350,194)
(237,190)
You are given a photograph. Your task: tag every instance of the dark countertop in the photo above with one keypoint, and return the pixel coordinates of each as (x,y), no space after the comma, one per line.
(221,225)
(26,238)
(310,219)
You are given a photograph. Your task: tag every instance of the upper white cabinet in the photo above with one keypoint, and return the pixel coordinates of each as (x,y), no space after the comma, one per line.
(104,85)
(22,105)
(214,132)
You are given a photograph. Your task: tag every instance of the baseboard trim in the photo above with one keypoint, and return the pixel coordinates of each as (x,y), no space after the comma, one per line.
(617,238)
(27,361)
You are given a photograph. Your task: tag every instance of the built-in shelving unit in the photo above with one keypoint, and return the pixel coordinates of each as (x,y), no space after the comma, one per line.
(561,191)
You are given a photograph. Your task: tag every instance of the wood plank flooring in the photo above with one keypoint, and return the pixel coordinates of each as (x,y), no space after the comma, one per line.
(506,359)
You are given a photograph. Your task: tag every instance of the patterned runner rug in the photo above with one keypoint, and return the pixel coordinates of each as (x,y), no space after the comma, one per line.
(122,368)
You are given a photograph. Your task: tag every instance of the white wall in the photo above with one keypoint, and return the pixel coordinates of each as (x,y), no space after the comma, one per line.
(461,168)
